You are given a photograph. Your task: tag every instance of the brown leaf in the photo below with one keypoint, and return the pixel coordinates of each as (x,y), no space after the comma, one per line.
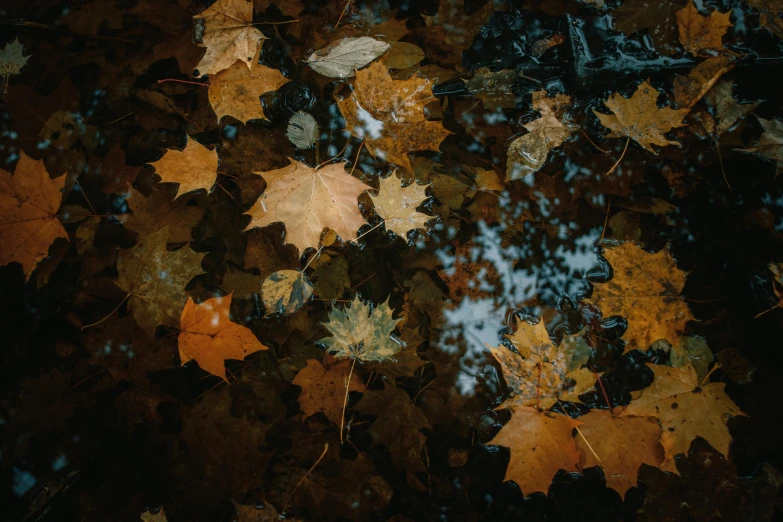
(161,210)
(29,201)
(236,91)
(451,30)
(397,206)
(639,117)
(323,388)
(208,336)
(541,444)
(307,201)
(702,33)
(658,18)
(645,289)
(194,167)
(689,89)
(389,115)
(229,35)
(727,111)
(770,145)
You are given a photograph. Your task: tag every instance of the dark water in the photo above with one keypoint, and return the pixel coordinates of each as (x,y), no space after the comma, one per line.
(98,425)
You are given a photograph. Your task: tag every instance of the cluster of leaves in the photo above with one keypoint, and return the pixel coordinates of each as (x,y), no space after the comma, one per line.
(307,208)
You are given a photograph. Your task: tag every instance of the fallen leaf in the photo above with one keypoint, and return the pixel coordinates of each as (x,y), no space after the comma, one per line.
(640,118)
(693,351)
(690,89)
(658,18)
(361,332)
(308,200)
(332,278)
(229,35)
(208,336)
(702,33)
(237,90)
(323,388)
(769,15)
(155,280)
(302,130)
(770,144)
(194,167)
(11,59)
(539,373)
(685,410)
(114,173)
(149,516)
(622,444)
(342,58)
(402,55)
(161,210)
(451,30)
(539,47)
(286,291)
(528,153)
(494,89)
(389,115)
(397,206)
(727,111)
(29,201)
(645,289)
(541,444)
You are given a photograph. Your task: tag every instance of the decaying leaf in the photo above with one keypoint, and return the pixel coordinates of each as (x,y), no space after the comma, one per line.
(770,144)
(308,200)
(229,35)
(528,153)
(640,118)
(451,30)
(402,55)
(540,373)
(539,47)
(686,409)
(397,206)
(29,201)
(155,280)
(342,58)
(302,130)
(689,89)
(11,59)
(769,15)
(194,167)
(161,210)
(285,292)
(323,388)
(236,91)
(149,516)
(208,336)
(727,111)
(657,18)
(494,89)
(361,332)
(622,444)
(702,33)
(389,115)
(541,444)
(332,278)
(645,289)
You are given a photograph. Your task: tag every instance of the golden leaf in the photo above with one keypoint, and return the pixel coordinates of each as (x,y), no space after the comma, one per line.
(228,35)
(701,33)
(640,119)
(29,201)
(389,115)
(236,91)
(194,167)
(397,206)
(308,200)
(323,388)
(208,336)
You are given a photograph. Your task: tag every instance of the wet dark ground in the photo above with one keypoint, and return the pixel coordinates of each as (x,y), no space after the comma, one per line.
(77,442)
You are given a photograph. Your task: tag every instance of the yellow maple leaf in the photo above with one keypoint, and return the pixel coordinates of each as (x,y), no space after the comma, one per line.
(236,91)
(229,35)
(702,33)
(307,200)
(397,205)
(194,167)
(29,201)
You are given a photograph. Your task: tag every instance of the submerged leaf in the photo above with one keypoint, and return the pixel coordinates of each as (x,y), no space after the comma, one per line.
(361,332)
(285,292)
(237,90)
(11,59)
(302,130)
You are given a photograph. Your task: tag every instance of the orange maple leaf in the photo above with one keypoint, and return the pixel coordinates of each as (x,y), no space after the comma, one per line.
(236,91)
(389,115)
(29,201)
(209,337)
(194,167)
(702,33)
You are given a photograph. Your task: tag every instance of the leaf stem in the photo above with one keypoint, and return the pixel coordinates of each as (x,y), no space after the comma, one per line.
(345,401)
(326,448)
(627,141)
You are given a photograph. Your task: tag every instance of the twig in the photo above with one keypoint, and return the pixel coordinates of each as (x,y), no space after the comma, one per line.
(606,220)
(592,142)
(345,402)
(326,448)
(766,311)
(342,13)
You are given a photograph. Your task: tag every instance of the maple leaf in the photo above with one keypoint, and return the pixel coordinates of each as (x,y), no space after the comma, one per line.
(769,15)
(645,289)
(307,200)
(397,206)
(701,33)
(685,410)
(640,118)
(691,88)
(658,18)
(194,167)
(620,445)
(11,59)
(727,111)
(286,291)
(770,144)
(540,374)
(237,90)
(29,201)
(229,35)
(208,336)
(155,280)
(361,333)
(149,516)
(528,153)
(323,388)
(389,115)
(114,174)
(161,210)
(541,444)
(451,30)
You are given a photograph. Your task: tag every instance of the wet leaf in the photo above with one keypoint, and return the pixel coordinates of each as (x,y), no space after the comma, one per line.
(702,33)
(451,30)
(307,201)
(323,388)
(209,337)
(770,145)
(236,91)
(285,292)
(727,111)
(645,289)
(302,130)
(690,89)
(229,35)
(342,58)
(361,332)
(332,278)
(402,55)
(161,210)
(194,167)
(29,200)
(12,59)
(397,206)
(658,18)
(685,411)
(494,89)
(149,516)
